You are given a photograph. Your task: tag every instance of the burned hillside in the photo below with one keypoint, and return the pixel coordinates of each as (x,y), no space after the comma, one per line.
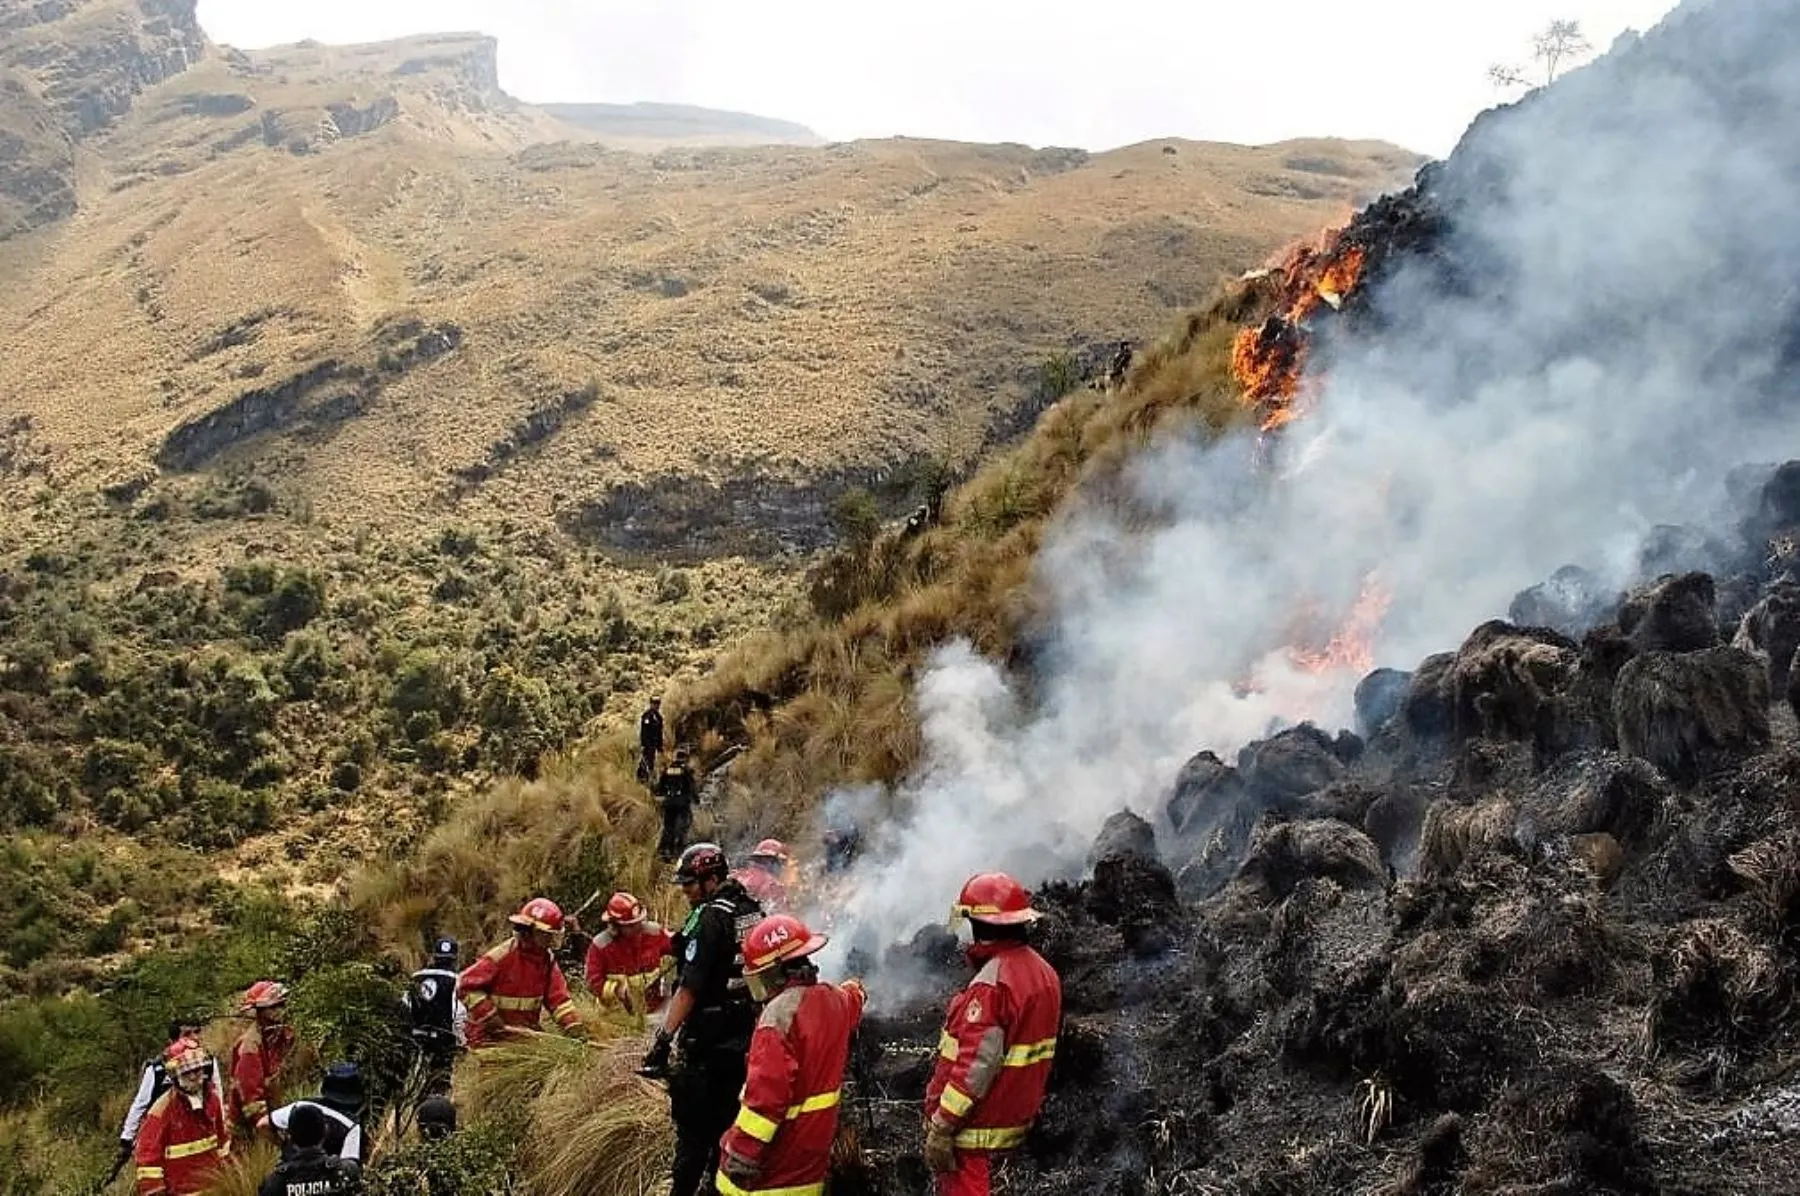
(1530,927)
(1537,933)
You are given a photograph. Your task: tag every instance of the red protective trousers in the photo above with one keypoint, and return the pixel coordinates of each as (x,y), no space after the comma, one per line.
(974,1172)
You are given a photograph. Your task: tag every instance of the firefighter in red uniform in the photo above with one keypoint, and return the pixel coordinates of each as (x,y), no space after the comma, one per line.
(184,1138)
(787,1119)
(512,984)
(260,1053)
(999,1038)
(632,961)
(768,874)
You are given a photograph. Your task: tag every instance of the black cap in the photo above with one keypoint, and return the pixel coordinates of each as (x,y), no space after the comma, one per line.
(437,1116)
(306,1125)
(445,948)
(343,1089)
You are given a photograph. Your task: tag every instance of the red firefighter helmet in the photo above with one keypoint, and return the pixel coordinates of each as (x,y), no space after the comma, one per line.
(770,849)
(264,994)
(540,913)
(994,898)
(185,1055)
(622,909)
(778,939)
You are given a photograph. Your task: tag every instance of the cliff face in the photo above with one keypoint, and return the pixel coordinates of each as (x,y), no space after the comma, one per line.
(68,70)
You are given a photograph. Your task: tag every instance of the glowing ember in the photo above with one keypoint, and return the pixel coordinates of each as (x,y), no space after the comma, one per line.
(1352,646)
(1269,361)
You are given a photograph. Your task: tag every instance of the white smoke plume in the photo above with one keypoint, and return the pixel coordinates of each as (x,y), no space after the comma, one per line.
(1600,341)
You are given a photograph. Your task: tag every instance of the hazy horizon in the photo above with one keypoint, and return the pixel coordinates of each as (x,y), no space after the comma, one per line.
(1043,74)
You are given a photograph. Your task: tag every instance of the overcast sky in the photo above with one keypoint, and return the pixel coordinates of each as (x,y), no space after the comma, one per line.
(1045,72)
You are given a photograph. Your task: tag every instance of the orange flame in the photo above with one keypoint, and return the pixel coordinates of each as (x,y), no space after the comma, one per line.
(1269,362)
(1352,645)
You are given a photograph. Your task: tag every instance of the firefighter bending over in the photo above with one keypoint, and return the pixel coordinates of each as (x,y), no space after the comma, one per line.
(512,984)
(632,960)
(711,1016)
(781,1141)
(998,1041)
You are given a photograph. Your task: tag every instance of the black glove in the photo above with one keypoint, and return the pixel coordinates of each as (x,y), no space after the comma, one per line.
(656,1063)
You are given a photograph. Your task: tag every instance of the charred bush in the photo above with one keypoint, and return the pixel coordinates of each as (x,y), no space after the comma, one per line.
(1291,764)
(1771,631)
(1136,893)
(1573,1128)
(1206,790)
(1394,821)
(1123,833)
(1716,987)
(1503,679)
(1379,697)
(1426,709)
(1282,854)
(1599,791)
(1453,834)
(1675,614)
(1687,713)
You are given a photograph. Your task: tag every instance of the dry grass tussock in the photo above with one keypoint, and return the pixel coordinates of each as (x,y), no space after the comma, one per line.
(250,1164)
(519,838)
(588,1122)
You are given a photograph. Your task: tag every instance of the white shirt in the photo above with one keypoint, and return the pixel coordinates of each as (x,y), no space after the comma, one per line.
(352,1138)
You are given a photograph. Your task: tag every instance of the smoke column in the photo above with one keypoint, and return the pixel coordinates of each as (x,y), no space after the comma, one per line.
(1598,339)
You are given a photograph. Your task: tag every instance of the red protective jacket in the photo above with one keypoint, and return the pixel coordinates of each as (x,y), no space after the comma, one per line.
(178,1147)
(257,1058)
(789,1113)
(994,1054)
(770,890)
(634,963)
(514,983)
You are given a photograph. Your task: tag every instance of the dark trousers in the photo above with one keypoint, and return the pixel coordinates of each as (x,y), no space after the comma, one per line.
(703,1102)
(677,821)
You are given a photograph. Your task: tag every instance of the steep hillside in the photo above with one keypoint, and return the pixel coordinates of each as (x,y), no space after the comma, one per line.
(263,238)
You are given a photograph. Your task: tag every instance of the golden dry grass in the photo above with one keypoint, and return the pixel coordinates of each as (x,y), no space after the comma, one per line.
(774,309)
(591,1123)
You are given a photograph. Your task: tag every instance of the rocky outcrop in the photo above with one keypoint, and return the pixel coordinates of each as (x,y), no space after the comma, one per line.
(68,70)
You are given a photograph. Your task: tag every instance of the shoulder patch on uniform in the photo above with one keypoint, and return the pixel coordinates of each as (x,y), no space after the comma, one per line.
(693,950)
(973,1012)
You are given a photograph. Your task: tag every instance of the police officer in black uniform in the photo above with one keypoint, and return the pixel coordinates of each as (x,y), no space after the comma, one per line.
(650,740)
(436,1015)
(309,1170)
(677,790)
(711,1016)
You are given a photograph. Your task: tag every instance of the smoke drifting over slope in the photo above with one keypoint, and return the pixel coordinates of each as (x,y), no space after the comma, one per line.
(1603,330)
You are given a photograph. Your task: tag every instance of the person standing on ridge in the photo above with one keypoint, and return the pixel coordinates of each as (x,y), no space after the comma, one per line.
(156,1080)
(650,741)
(260,1053)
(438,1020)
(998,1041)
(184,1138)
(676,790)
(512,984)
(710,1015)
(782,1138)
(631,961)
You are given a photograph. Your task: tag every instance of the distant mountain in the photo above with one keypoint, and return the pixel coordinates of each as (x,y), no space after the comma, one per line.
(680,124)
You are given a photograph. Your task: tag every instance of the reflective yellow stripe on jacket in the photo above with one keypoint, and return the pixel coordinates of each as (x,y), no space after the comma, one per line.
(189,1149)
(727,1188)
(149,1172)
(515,1004)
(993,1139)
(1023,1055)
(763,1130)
